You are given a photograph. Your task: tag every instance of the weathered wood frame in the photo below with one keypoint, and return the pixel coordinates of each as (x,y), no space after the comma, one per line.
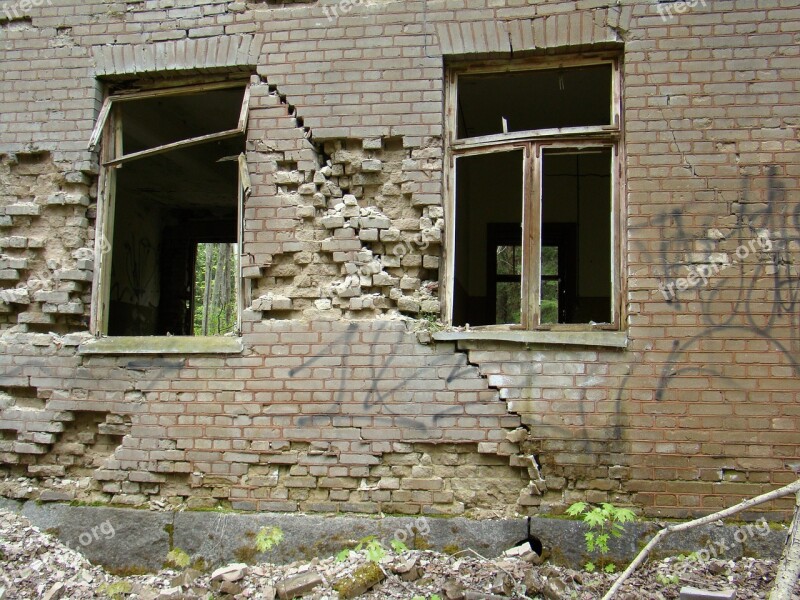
(532,142)
(109,128)
(115,99)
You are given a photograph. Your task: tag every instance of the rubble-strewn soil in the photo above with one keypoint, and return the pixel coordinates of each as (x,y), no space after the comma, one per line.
(34,565)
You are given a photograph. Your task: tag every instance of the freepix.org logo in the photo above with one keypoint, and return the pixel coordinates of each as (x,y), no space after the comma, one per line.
(342,7)
(699,275)
(668,9)
(20,9)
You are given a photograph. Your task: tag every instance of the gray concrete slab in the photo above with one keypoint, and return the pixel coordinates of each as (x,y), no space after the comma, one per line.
(139,539)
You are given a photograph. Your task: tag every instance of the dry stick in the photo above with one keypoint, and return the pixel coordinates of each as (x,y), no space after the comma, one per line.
(789,569)
(792,488)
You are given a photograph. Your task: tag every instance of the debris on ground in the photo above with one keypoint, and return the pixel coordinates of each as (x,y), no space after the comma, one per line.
(35,565)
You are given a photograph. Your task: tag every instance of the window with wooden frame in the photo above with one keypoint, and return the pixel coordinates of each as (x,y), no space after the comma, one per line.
(172,187)
(533,196)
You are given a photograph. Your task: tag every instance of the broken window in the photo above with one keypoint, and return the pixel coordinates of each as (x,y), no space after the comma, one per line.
(534,156)
(172,185)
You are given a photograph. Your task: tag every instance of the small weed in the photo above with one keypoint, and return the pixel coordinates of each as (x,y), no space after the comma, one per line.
(672,574)
(430,322)
(604,521)
(268,538)
(178,558)
(665,579)
(372,549)
(117,590)
(398,546)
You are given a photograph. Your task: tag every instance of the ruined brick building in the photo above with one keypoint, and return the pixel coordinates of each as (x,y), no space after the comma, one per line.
(491,256)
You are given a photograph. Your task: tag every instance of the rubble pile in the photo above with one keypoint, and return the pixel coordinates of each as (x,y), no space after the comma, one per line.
(34,565)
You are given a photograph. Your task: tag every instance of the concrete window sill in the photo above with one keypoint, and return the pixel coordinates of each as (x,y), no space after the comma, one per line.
(607,339)
(161,345)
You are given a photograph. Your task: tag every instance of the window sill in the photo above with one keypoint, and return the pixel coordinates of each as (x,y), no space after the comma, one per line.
(607,339)
(161,345)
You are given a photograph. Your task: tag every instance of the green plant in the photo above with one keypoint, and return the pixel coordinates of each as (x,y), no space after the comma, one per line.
(667,579)
(430,322)
(604,521)
(268,538)
(117,590)
(674,570)
(178,558)
(372,548)
(398,546)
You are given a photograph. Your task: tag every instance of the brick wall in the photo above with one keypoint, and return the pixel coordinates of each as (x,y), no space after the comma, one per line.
(335,404)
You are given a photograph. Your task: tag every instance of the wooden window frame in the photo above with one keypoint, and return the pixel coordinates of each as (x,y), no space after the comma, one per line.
(532,143)
(108,128)
(107,112)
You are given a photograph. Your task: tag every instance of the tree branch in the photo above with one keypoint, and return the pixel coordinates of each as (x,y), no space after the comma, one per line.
(789,570)
(792,488)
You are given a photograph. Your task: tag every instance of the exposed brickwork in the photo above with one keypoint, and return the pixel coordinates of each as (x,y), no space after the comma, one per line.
(45,277)
(346,157)
(315,416)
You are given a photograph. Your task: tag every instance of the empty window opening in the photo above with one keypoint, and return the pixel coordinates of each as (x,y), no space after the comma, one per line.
(504,276)
(534,209)
(576,236)
(553,306)
(572,240)
(488,235)
(493,103)
(214,284)
(173,192)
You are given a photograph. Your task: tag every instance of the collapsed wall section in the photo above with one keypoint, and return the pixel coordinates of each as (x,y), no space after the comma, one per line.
(345,229)
(46,244)
(318,416)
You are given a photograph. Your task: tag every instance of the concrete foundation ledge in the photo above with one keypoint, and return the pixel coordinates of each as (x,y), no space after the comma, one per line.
(127,539)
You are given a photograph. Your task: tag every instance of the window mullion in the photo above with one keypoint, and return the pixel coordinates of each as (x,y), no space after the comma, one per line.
(531,234)
(246,290)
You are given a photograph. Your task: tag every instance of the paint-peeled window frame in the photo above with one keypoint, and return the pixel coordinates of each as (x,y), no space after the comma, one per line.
(532,142)
(108,128)
(108,106)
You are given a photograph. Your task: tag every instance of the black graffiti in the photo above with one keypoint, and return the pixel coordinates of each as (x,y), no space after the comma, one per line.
(382,366)
(758,317)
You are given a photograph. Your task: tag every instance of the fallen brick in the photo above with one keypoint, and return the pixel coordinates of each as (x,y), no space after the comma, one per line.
(692,593)
(298,585)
